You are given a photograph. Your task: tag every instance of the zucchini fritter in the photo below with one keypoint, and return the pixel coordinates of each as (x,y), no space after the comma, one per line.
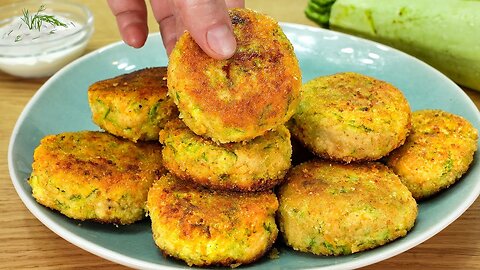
(134,106)
(206,227)
(243,97)
(92,175)
(351,117)
(258,164)
(437,153)
(330,208)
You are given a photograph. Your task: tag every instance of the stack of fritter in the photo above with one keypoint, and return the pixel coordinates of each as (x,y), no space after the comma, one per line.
(204,145)
(229,147)
(346,200)
(343,202)
(93,175)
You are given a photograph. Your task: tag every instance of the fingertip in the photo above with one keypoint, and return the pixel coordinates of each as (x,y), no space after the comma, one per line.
(209,24)
(131,19)
(221,42)
(135,35)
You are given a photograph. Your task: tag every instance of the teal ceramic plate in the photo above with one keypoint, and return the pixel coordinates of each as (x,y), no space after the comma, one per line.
(61,105)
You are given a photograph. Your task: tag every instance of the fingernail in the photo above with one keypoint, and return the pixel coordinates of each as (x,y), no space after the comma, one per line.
(221,40)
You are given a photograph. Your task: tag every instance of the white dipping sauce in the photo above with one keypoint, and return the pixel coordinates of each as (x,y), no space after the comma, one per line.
(34,53)
(17,32)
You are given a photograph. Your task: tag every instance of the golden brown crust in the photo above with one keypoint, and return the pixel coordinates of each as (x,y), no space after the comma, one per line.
(437,153)
(134,105)
(144,82)
(258,164)
(332,208)
(244,96)
(95,176)
(207,227)
(351,117)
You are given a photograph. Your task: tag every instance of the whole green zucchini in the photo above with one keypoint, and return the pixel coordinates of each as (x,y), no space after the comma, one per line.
(443,33)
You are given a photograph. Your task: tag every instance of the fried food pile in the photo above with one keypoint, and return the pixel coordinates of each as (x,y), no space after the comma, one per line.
(204,147)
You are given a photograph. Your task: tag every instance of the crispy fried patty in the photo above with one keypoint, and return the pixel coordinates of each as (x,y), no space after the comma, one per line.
(258,164)
(437,153)
(242,97)
(134,106)
(206,227)
(91,175)
(351,117)
(332,208)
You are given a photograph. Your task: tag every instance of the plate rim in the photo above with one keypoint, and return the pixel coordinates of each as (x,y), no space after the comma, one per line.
(129,261)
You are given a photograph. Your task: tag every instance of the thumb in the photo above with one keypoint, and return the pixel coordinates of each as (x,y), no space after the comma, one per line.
(209,24)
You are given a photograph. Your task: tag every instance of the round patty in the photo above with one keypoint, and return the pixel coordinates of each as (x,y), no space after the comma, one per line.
(91,175)
(258,164)
(351,117)
(134,106)
(329,208)
(438,151)
(206,227)
(240,98)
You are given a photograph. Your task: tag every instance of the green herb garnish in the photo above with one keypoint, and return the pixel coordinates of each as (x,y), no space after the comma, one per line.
(36,21)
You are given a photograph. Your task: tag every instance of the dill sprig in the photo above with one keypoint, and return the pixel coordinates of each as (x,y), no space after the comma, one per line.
(36,21)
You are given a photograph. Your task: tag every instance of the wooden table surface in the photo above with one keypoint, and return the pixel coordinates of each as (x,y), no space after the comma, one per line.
(27,243)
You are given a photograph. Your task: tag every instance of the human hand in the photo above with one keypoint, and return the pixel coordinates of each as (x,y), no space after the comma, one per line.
(206,20)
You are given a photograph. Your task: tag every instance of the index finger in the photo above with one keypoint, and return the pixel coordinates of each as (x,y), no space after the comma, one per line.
(131,16)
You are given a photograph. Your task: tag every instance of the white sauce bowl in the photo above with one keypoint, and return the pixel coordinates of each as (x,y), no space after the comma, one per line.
(44,56)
